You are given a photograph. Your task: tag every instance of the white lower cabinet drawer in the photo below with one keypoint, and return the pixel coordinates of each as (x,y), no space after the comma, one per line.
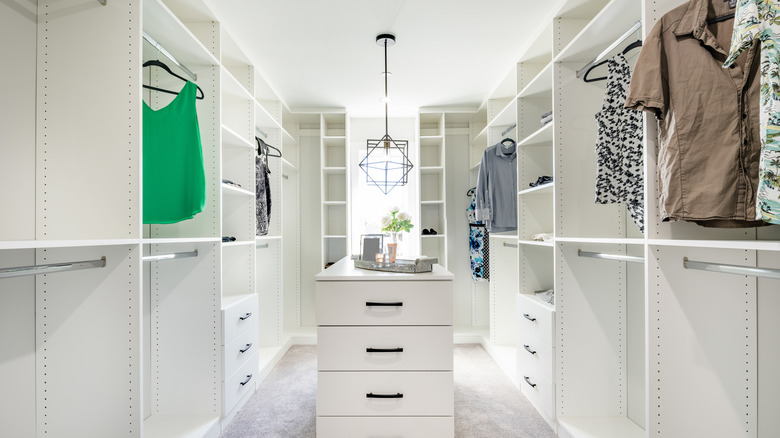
(534,356)
(379,427)
(241,383)
(239,350)
(238,316)
(402,393)
(384,302)
(539,391)
(383,348)
(535,317)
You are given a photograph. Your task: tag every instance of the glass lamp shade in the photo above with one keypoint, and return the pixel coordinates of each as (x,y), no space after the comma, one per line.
(386,163)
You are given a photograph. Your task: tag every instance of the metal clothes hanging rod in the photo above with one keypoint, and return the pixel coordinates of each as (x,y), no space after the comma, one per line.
(731,269)
(168,55)
(618,257)
(514,125)
(511,245)
(611,47)
(50,268)
(262,245)
(260,131)
(103,2)
(175,255)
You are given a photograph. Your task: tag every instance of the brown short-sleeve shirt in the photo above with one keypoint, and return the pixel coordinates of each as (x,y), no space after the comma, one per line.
(708,116)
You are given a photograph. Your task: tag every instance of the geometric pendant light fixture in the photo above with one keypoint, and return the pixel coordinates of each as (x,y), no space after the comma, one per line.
(386,163)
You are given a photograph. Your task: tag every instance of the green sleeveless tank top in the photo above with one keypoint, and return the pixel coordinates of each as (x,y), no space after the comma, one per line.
(174,182)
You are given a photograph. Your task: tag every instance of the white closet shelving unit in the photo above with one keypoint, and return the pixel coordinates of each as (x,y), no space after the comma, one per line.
(433,188)
(334,195)
(149,344)
(628,349)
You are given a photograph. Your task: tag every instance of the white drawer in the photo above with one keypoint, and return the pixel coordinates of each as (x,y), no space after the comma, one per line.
(409,348)
(539,391)
(534,356)
(413,393)
(241,383)
(384,303)
(239,350)
(536,318)
(238,316)
(379,427)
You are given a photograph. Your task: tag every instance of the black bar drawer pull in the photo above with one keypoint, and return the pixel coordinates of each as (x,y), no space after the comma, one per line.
(248,346)
(528,381)
(529,317)
(528,349)
(248,378)
(372,395)
(246,315)
(384,350)
(377,304)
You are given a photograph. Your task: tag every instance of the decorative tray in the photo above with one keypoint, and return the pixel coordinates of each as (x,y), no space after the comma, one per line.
(422,264)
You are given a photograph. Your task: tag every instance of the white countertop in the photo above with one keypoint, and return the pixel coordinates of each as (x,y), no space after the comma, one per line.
(345,269)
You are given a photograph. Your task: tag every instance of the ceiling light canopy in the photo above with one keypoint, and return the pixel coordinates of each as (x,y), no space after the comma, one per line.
(386,163)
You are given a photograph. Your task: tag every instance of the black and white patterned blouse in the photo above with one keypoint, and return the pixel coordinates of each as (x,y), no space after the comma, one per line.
(262,195)
(620,170)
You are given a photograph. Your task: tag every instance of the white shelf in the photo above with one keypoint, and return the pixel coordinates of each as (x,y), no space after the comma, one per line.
(180,426)
(431,137)
(334,236)
(168,240)
(334,170)
(507,116)
(266,238)
(541,137)
(162,25)
(438,202)
(503,236)
(756,245)
(542,189)
(432,169)
(229,190)
(549,243)
(541,83)
(231,86)
(431,236)
(608,240)
(264,119)
(33,244)
(600,427)
(238,243)
(231,139)
(334,202)
(614,19)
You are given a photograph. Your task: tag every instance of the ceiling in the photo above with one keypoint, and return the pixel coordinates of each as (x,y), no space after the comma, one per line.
(323,53)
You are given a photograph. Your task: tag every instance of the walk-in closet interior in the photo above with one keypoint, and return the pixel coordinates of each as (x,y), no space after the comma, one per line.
(616,310)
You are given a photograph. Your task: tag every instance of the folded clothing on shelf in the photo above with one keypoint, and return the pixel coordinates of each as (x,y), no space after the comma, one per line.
(548,296)
(228,239)
(542,237)
(542,180)
(547,118)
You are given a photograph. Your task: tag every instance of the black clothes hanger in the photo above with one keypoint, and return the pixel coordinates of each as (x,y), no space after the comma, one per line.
(721,18)
(156,63)
(262,148)
(471,191)
(630,47)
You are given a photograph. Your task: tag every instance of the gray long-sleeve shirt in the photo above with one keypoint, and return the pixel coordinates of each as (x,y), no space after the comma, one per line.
(497,187)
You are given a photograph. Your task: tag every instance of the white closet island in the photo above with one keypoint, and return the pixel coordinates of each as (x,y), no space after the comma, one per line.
(385,352)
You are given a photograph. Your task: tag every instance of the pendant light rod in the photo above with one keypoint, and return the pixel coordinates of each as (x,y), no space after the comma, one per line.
(385,40)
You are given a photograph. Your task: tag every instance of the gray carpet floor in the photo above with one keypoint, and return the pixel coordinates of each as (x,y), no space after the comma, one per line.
(487,404)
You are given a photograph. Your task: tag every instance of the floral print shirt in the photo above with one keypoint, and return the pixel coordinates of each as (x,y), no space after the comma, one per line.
(760,19)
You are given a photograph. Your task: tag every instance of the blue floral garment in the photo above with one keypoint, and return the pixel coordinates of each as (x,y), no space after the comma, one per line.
(760,20)
(479,238)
